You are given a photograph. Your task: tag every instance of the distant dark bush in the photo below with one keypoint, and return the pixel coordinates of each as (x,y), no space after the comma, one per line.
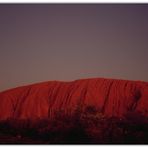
(85,126)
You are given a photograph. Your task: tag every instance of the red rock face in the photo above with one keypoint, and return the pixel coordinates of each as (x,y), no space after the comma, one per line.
(109,96)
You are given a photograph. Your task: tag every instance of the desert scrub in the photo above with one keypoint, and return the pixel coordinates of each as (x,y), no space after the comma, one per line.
(84,126)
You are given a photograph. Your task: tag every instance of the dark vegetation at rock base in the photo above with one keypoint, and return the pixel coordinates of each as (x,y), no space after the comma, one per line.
(84,127)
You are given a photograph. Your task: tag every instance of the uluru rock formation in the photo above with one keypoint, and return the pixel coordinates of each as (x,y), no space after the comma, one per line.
(112,97)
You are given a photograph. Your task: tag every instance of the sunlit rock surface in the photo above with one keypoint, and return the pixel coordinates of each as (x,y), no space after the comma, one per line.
(111,97)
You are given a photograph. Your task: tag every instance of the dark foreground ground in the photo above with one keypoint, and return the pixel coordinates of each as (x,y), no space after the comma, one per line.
(89,127)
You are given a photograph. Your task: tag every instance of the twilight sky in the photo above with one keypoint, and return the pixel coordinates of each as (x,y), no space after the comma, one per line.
(68,42)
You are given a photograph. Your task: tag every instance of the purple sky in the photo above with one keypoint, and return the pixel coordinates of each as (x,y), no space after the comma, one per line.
(68,42)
